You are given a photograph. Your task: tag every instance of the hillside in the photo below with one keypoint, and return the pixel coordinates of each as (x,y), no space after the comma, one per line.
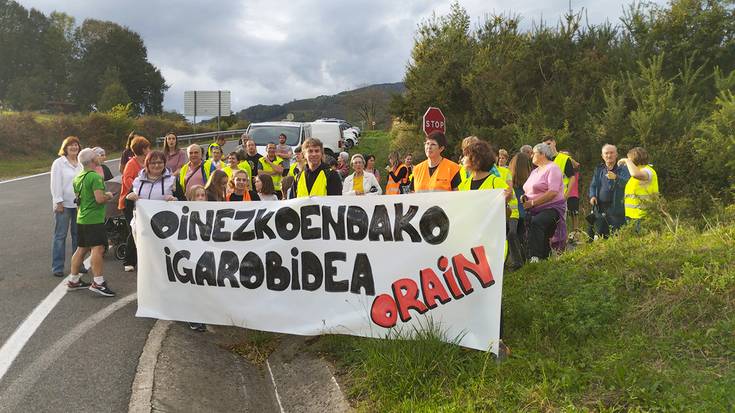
(633,323)
(363,104)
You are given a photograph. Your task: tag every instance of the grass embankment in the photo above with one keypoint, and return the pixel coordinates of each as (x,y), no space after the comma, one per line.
(23,166)
(634,323)
(377,143)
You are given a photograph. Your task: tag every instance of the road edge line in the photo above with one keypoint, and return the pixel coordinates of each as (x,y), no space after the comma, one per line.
(15,343)
(275,386)
(21,178)
(142,390)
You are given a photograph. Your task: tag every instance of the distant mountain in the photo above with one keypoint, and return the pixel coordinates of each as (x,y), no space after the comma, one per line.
(358,106)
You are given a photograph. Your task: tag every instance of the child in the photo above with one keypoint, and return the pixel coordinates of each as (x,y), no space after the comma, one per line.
(286,185)
(217,186)
(240,188)
(197,193)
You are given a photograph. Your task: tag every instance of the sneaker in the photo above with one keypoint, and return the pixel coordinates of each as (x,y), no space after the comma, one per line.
(534,259)
(128,268)
(198,327)
(79,285)
(102,289)
(58,274)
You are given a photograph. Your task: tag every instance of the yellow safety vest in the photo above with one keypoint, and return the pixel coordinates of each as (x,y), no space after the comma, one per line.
(636,192)
(206,165)
(561,161)
(209,150)
(318,189)
(292,169)
(245,166)
(506,176)
(488,183)
(265,166)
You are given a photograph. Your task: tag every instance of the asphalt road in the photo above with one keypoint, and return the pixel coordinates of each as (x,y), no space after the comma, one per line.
(75,361)
(83,356)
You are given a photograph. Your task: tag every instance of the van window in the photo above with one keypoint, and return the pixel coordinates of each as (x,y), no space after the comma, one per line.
(263,135)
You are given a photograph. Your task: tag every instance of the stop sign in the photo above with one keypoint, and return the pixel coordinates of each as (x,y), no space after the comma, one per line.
(434,121)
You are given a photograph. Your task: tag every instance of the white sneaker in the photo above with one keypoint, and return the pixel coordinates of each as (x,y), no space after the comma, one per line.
(534,259)
(128,268)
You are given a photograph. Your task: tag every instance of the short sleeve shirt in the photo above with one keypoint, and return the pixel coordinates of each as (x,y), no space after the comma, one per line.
(89,212)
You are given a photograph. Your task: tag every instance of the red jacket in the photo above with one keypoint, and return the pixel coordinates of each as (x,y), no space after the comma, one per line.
(132,168)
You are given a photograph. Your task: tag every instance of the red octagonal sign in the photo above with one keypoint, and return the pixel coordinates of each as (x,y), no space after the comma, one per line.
(434,121)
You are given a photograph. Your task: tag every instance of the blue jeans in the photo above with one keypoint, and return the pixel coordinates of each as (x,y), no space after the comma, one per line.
(65,222)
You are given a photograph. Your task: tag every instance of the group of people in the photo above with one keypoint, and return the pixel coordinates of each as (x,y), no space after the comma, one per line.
(539,183)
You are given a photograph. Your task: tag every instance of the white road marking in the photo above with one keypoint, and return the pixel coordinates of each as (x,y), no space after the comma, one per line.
(15,343)
(25,382)
(275,386)
(21,178)
(142,395)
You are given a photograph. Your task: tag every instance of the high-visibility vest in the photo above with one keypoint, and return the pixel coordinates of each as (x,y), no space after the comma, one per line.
(206,167)
(245,166)
(506,176)
(393,187)
(561,161)
(490,182)
(636,192)
(441,180)
(318,189)
(245,196)
(209,150)
(265,166)
(292,169)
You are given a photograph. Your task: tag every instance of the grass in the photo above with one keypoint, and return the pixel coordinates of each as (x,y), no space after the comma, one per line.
(258,347)
(634,323)
(23,166)
(376,143)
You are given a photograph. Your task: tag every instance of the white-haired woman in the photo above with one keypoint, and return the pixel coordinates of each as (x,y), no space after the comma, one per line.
(544,202)
(361,182)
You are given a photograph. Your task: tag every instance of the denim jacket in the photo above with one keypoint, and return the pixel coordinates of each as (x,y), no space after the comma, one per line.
(618,189)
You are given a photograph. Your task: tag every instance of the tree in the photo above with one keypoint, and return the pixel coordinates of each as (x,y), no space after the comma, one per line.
(113,92)
(106,44)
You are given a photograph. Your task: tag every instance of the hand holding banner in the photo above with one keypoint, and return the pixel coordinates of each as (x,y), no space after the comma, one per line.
(328,265)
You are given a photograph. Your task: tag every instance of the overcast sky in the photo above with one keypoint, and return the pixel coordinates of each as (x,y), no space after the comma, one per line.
(272,51)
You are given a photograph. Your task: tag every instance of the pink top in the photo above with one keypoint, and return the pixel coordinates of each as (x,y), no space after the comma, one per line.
(544,179)
(175,162)
(574,189)
(193,177)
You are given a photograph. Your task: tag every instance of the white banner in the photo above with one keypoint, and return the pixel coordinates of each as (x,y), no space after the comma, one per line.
(361,265)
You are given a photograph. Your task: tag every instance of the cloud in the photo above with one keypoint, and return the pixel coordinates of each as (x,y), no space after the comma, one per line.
(273,51)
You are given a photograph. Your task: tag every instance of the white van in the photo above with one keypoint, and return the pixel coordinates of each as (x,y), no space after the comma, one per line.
(330,134)
(264,133)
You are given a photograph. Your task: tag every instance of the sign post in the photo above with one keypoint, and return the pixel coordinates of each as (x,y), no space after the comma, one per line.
(434,120)
(207,103)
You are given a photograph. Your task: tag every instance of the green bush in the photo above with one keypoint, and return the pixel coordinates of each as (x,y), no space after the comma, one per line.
(27,134)
(633,323)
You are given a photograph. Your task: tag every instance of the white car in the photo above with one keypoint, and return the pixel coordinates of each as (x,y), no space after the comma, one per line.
(264,133)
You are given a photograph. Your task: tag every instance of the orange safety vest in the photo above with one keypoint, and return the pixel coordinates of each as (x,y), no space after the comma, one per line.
(245,196)
(441,180)
(392,187)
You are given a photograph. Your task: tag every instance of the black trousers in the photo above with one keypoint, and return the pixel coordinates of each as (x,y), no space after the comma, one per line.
(606,223)
(540,230)
(131,251)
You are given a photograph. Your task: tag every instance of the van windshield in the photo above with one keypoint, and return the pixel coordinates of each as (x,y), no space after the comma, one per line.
(263,135)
